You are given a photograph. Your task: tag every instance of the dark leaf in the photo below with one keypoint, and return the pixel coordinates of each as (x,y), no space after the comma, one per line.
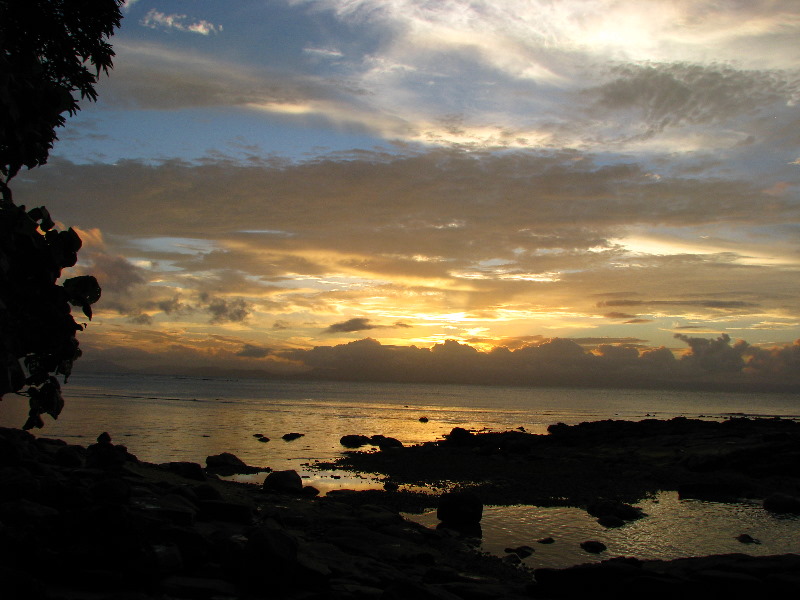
(82,291)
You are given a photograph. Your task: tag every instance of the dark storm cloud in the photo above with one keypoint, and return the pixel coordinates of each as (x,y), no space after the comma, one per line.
(361,324)
(594,341)
(140,318)
(172,305)
(669,95)
(116,274)
(251,351)
(223,310)
(716,355)
(718,362)
(357,324)
(501,200)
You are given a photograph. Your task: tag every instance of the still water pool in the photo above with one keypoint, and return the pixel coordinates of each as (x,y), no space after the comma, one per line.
(673,528)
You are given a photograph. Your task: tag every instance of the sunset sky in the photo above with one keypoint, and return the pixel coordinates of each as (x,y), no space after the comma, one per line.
(262,178)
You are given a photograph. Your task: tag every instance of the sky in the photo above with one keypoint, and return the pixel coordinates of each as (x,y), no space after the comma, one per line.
(504,191)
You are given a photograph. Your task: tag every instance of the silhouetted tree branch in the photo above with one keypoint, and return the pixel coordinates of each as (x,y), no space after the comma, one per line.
(50,51)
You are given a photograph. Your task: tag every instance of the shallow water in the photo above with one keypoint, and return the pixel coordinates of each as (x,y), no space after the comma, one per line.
(181,418)
(164,419)
(673,528)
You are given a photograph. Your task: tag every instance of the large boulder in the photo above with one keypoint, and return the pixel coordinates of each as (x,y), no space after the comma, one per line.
(459,509)
(285,482)
(354,440)
(229,464)
(189,470)
(459,436)
(593,546)
(105,455)
(603,508)
(384,443)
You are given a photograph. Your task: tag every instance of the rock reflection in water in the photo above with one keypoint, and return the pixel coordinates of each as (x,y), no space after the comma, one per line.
(673,529)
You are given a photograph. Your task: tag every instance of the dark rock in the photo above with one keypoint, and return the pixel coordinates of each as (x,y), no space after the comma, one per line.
(484,590)
(521,551)
(228,464)
(594,546)
(174,515)
(20,511)
(783,583)
(287,482)
(263,439)
(746,538)
(69,456)
(782,503)
(309,491)
(547,540)
(195,549)
(472,532)
(740,584)
(113,490)
(206,491)
(190,470)
(614,508)
(10,455)
(406,590)
(459,436)
(354,441)
(610,521)
(292,436)
(269,561)
(222,510)
(18,482)
(105,455)
(719,491)
(423,419)
(384,443)
(441,575)
(182,586)
(315,574)
(166,558)
(17,585)
(225,460)
(459,508)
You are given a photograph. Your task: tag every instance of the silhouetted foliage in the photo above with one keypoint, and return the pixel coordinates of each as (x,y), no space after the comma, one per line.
(51,51)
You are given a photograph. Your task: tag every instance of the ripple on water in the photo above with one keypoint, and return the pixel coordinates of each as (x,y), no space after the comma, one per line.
(673,528)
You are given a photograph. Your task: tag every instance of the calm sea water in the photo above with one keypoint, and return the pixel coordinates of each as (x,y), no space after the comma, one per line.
(162,418)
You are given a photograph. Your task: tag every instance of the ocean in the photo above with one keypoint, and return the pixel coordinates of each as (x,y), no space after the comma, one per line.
(165,418)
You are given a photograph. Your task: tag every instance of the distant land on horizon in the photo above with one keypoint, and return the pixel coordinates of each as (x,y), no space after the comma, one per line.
(105,367)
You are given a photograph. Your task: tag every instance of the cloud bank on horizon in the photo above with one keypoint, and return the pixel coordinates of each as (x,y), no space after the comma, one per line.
(262,184)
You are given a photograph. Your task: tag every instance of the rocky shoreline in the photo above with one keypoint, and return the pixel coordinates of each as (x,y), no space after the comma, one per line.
(623,460)
(97,524)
